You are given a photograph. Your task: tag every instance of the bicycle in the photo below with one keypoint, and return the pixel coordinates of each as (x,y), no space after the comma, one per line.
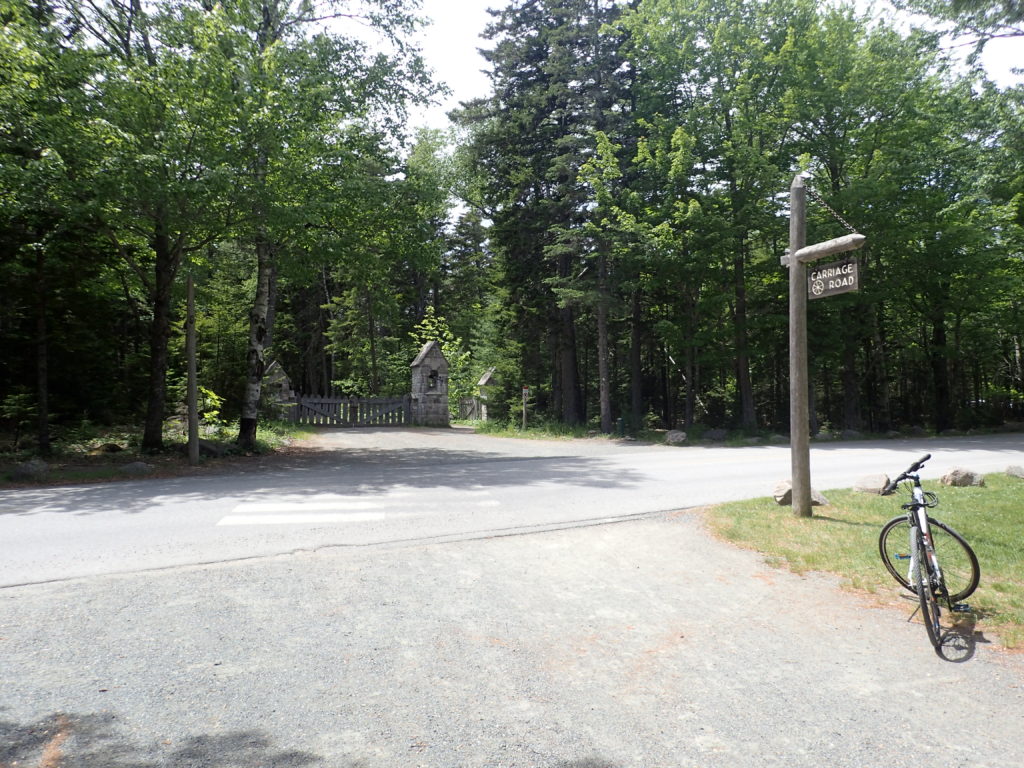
(918,543)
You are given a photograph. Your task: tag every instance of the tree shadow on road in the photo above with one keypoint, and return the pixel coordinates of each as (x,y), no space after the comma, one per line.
(97,741)
(343,472)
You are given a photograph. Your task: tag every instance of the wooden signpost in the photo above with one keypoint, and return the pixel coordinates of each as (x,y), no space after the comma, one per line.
(797,259)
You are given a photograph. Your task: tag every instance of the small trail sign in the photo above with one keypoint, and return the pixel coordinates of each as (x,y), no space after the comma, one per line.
(830,279)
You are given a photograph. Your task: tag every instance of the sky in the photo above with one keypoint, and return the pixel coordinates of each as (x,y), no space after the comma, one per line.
(450,46)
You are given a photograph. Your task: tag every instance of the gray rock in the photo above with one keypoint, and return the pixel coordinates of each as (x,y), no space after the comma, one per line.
(776,438)
(824,437)
(783,494)
(675,437)
(871,484)
(753,440)
(1015,470)
(961,478)
(33,469)
(214,449)
(850,434)
(892,434)
(916,431)
(136,469)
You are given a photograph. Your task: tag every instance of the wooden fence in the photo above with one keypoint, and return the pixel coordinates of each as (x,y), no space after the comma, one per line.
(352,412)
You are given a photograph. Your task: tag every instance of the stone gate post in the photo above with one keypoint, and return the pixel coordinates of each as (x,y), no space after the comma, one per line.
(430,387)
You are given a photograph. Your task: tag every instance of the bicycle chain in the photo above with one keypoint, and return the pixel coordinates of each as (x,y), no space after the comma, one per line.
(830,209)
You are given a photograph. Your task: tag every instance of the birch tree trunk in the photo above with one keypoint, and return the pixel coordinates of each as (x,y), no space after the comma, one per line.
(256,357)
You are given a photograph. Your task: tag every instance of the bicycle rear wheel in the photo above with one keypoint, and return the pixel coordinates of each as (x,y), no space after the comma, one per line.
(926,588)
(956,558)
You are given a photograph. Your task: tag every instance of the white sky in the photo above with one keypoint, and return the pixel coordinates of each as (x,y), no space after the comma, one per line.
(450,46)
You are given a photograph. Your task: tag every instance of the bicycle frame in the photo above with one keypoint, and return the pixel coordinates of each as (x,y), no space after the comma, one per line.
(917,516)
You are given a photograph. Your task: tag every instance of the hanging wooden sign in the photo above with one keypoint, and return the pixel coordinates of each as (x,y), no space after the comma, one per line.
(830,279)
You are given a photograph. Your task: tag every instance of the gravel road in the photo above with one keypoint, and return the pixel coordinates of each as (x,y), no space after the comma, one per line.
(642,643)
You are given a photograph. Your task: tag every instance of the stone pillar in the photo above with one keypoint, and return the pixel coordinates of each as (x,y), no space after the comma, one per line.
(430,387)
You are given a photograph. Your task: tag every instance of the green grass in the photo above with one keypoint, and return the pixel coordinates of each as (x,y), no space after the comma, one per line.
(843,539)
(539,430)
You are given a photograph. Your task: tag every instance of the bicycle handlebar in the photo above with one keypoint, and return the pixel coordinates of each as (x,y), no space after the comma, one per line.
(891,487)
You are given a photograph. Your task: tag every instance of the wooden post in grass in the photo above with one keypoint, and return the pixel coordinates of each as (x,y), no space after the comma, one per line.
(799,255)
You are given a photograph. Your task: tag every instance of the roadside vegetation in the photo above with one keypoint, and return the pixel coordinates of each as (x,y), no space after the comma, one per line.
(88,452)
(843,539)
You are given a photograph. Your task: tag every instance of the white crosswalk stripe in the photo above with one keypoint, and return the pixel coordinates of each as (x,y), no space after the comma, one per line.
(335,509)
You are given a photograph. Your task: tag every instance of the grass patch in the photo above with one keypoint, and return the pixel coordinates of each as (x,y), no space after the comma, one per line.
(843,539)
(539,430)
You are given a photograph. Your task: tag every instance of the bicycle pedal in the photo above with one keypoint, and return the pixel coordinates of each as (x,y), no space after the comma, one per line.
(961,608)
(898,556)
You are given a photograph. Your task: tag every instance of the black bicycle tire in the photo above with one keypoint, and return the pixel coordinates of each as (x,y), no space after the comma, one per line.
(964,583)
(930,611)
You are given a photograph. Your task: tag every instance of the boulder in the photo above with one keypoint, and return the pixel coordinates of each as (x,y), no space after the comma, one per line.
(214,449)
(783,494)
(1015,471)
(31,470)
(871,484)
(962,478)
(675,437)
(136,469)
(850,434)
(106,448)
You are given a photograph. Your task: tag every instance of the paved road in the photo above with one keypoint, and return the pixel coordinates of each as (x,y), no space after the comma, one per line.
(370,486)
(638,643)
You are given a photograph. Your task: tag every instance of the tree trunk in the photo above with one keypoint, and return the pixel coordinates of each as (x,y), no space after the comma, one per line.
(940,374)
(745,389)
(636,373)
(256,360)
(193,377)
(166,268)
(883,416)
(567,367)
(852,418)
(371,331)
(604,380)
(42,358)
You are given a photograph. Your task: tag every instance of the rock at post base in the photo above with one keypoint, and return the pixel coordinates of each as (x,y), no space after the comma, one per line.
(962,478)
(871,484)
(675,437)
(784,495)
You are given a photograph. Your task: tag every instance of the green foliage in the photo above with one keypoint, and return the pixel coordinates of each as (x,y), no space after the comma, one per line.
(18,413)
(622,209)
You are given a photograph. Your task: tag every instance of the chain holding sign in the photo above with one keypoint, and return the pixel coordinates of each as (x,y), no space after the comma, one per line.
(831,279)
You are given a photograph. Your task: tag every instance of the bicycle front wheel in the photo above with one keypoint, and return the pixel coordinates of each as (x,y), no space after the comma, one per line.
(956,558)
(926,588)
